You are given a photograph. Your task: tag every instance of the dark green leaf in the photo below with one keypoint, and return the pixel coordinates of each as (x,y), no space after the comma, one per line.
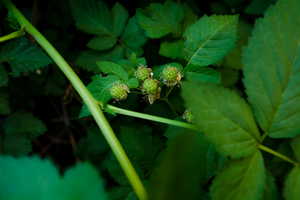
(102,42)
(210,39)
(3,76)
(224,117)
(292,183)
(172,49)
(113,69)
(241,179)
(204,75)
(120,17)
(159,20)
(272,80)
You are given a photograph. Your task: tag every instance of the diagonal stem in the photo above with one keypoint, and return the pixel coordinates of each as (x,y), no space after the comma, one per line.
(87,98)
(12,35)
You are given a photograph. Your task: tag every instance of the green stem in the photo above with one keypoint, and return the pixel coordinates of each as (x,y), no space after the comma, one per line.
(87,98)
(12,35)
(277,154)
(151,117)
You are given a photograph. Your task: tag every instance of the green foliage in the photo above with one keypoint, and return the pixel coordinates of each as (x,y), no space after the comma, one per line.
(159,20)
(224,117)
(209,39)
(173,78)
(241,179)
(23,56)
(45,181)
(272,80)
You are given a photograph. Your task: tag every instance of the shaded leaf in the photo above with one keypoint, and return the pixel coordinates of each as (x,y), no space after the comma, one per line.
(113,69)
(172,49)
(102,42)
(292,183)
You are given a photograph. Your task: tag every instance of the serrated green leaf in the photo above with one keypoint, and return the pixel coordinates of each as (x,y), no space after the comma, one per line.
(45,181)
(172,49)
(92,16)
(4,103)
(3,76)
(210,39)
(272,80)
(102,42)
(120,17)
(23,56)
(224,117)
(99,87)
(23,123)
(133,36)
(204,75)
(292,183)
(87,59)
(187,161)
(113,69)
(241,179)
(159,20)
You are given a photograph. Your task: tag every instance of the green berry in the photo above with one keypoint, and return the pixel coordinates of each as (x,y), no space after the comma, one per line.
(188,116)
(142,73)
(119,91)
(171,75)
(151,86)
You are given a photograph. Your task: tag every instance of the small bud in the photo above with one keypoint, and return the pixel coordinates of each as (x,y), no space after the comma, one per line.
(171,76)
(188,116)
(142,73)
(151,86)
(119,91)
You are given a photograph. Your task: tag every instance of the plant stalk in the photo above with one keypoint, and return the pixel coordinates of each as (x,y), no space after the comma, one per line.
(12,35)
(151,117)
(87,98)
(277,154)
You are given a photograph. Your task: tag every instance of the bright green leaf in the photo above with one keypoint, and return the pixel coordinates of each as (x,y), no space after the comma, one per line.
(210,39)
(102,42)
(159,20)
(133,83)
(241,179)
(113,69)
(272,69)
(292,185)
(23,56)
(223,116)
(81,182)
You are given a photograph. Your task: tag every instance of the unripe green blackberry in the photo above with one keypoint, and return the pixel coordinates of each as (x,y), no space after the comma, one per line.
(188,116)
(119,91)
(171,76)
(151,86)
(142,73)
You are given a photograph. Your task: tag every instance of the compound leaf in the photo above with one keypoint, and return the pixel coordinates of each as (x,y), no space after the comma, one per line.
(272,69)
(223,116)
(241,179)
(159,20)
(209,39)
